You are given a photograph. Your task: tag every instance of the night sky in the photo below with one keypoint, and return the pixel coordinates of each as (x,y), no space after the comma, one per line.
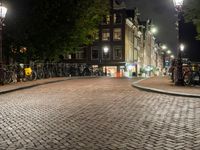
(162,13)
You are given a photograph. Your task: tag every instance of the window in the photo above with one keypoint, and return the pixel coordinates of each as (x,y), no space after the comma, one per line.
(117,53)
(80,55)
(117,34)
(96,35)
(67,55)
(95,53)
(106,56)
(106,19)
(117,18)
(73,56)
(105,35)
(135,55)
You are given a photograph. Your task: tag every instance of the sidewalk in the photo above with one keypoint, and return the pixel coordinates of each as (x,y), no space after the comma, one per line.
(8,88)
(24,85)
(165,86)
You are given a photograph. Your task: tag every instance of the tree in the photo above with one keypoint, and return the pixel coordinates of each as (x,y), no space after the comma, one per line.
(48,28)
(192,13)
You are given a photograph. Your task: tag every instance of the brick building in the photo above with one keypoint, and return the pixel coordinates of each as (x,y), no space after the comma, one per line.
(129,43)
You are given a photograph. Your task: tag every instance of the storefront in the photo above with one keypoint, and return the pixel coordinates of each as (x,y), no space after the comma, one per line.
(114,71)
(130,70)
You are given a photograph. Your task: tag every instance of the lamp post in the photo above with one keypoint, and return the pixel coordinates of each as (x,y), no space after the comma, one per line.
(105,50)
(179,72)
(3,11)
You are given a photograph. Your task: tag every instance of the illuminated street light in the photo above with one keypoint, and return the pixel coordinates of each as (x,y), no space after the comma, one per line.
(178,3)
(172,56)
(169,52)
(179,74)
(182,47)
(154,30)
(164,47)
(105,50)
(3,11)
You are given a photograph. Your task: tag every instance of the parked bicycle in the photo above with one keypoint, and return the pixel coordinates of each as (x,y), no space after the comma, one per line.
(8,75)
(192,74)
(26,73)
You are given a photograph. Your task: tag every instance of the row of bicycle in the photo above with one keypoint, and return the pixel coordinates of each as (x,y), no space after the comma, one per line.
(27,72)
(191,74)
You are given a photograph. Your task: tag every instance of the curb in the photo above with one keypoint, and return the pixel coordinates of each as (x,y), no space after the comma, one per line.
(148,89)
(39,84)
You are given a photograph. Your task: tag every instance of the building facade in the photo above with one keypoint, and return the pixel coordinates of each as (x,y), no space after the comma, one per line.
(130,46)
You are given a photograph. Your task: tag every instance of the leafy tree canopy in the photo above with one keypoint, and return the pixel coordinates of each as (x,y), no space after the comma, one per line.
(192,13)
(48,28)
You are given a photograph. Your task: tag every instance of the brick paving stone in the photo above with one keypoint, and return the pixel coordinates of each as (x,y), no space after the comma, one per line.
(97,114)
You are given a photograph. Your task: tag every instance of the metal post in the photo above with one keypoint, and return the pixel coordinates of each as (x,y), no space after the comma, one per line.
(1,55)
(105,65)
(1,52)
(179,69)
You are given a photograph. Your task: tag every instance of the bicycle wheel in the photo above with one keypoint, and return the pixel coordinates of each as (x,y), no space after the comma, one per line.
(196,78)
(32,77)
(187,79)
(14,77)
(2,76)
(8,77)
(40,74)
(47,74)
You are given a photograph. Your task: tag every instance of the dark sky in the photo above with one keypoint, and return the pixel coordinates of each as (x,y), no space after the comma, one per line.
(162,14)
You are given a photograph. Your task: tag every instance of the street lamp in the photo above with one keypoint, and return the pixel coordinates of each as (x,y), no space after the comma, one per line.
(164,47)
(169,52)
(105,50)
(182,47)
(179,69)
(3,11)
(154,30)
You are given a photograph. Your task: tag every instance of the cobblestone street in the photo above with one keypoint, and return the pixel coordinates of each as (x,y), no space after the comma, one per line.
(97,114)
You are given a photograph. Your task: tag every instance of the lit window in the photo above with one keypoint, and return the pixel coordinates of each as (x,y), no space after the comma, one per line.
(95,53)
(105,35)
(96,36)
(117,18)
(117,34)
(117,53)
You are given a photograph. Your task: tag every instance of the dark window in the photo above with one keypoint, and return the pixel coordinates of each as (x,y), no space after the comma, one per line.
(80,55)
(117,18)
(117,53)
(73,56)
(106,19)
(106,56)
(95,53)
